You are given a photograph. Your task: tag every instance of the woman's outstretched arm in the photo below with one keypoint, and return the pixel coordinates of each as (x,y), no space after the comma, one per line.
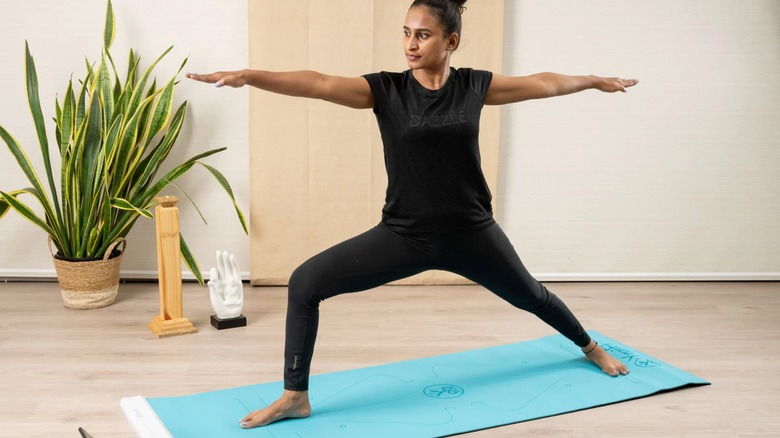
(510,89)
(351,92)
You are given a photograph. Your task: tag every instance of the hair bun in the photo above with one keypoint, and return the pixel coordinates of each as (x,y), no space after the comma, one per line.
(448,12)
(460,4)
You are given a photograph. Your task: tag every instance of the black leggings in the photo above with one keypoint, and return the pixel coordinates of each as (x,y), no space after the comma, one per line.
(381,255)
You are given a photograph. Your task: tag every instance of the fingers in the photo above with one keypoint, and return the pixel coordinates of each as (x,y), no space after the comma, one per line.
(213,275)
(625,83)
(226,270)
(210,78)
(219,79)
(610,85)
(221,265)
(236,273)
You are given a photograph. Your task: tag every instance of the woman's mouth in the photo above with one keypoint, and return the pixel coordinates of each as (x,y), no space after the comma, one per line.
(412,58)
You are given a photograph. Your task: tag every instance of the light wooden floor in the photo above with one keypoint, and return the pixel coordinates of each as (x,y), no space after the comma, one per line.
(60,368)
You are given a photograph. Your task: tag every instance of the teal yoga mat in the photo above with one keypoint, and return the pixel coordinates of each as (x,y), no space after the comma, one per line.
(430,397)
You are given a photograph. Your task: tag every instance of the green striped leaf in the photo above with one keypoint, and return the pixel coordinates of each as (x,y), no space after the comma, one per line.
(186,195)
(106,212)
(93,139)
(89,252)
(125,220)
(5,207)
(105,92)
(225,185)
(126,161)
(110,28)
(124,204)
(132,65)
(57,133)
(66,120)
(27,213)
(189,260)
(143,123)
(161,112)
(112,144)
(65,126)
(35,103)
(40,128)
(27,168)
(57,110)
(81,105)
(117,84)
(138,94)
(140,147)
(151,164)
(123,101)
(176,172)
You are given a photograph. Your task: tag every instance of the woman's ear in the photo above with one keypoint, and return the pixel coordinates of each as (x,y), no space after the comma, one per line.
(453,42)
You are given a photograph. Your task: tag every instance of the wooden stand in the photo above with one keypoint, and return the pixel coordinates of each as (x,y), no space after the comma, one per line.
(171,320)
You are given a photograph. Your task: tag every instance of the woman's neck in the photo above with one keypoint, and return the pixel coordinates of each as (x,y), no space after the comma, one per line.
(433,79)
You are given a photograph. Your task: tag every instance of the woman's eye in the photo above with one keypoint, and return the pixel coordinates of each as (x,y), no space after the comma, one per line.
(423,36)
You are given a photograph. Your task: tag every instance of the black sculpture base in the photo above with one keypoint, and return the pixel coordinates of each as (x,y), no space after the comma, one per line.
(221,324)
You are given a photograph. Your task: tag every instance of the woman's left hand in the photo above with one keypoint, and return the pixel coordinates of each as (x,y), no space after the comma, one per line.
(610,85)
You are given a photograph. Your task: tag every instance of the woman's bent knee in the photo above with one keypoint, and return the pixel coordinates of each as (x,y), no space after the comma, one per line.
(302,288)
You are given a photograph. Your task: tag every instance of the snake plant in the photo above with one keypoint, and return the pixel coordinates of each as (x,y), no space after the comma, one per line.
(112,138)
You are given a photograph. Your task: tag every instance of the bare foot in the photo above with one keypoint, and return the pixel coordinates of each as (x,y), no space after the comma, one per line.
(292,404)
(604,360)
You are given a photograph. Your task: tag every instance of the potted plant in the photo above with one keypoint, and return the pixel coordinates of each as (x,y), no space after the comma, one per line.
(112,138)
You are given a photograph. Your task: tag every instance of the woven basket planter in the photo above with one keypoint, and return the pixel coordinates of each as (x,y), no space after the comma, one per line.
(90,284)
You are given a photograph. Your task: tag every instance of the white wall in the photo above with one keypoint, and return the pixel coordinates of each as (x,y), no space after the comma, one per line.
(61,34)
(677,179)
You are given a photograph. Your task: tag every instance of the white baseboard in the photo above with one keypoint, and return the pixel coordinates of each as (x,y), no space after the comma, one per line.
(658,276)
(50,275)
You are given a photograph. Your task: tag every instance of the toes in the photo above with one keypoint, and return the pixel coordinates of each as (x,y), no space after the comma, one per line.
(248,422)
(617,371)
(251,424)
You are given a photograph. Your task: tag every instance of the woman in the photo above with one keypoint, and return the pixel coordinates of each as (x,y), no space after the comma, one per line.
(437,213)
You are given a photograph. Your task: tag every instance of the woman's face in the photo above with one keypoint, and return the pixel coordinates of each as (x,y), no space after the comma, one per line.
(425,45)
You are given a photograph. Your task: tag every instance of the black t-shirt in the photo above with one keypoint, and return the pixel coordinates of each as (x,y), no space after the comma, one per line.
(431,145)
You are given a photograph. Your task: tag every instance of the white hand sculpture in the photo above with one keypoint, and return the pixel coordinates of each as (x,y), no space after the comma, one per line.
(225,287)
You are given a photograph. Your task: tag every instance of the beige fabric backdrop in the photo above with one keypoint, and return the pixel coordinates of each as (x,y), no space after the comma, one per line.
(317,169)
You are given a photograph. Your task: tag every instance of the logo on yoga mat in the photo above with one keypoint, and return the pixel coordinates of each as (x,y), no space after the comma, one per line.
(629,356)
(443,391)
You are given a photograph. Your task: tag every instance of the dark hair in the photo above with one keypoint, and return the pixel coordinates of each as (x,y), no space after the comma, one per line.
(448,13)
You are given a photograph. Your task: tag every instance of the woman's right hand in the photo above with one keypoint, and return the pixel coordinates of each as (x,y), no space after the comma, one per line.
(235,79)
